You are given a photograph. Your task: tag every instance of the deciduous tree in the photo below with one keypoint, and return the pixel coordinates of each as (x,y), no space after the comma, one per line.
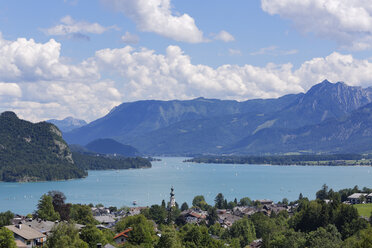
(45,209)
(65,235)
(6,238)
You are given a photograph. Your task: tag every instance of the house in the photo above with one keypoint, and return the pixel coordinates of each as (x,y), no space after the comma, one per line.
(244,211)
(109,246)
(369,198)
(226,219)
(43,226)
(122,237)
(356,198)
(274,209)
(105,219)
(27,235)
(135,211)
(265,202)
(20,244)
(194,215)
(256,243)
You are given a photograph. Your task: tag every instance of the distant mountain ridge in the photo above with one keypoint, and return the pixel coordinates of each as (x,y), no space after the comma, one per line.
(110,146)
(68,124)
(211,126)
(353,134)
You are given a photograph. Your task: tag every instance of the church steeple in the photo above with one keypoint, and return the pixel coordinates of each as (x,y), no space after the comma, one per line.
(172,202)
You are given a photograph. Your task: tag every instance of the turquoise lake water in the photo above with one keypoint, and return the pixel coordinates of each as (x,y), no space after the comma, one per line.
(150,186)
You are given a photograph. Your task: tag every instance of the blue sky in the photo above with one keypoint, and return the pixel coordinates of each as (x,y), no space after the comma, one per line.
(82,57)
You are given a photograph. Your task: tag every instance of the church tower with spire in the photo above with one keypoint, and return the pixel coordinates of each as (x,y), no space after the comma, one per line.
(172,201)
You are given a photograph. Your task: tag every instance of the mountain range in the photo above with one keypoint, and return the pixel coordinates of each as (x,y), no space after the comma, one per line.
(67,124)
(330,117)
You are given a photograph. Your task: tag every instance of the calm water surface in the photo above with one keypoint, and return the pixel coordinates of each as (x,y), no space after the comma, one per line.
(149,186)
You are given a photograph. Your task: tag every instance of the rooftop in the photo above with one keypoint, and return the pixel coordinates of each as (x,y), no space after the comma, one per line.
(123,233)
(357,195)
(25,232)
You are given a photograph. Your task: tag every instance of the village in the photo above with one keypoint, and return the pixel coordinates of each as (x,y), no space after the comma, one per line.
(31,231)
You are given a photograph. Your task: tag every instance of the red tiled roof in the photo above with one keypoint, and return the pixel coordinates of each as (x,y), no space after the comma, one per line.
(123,233)
(195,214)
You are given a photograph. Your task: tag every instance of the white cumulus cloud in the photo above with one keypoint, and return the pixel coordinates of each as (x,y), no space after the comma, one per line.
(69,26)
(157,16)
(130,38)
(145,74)
(148,75)
(349,22)
(38,84)
(10,89)
(27,60)
(224,36)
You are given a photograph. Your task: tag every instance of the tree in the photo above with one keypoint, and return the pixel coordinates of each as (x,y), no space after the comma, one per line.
(300,197)
(231,205)
(323,193)
(347,220)
(157,214)
(219,201)
(59,204)
(245,201)
(243,230)
(197,236)
(46,210)
(92,235)
(169,238)
(6,238)
(6,218)
(142,229)
(310,217)
(82,214)
(287,239)
(362,239)
(199,201)
(285,201)
(65,235)
(184,206)
(328,237)
(212,216)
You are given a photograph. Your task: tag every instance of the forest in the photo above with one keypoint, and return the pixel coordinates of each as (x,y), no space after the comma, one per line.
(103,162)
(305,159)
(37,152)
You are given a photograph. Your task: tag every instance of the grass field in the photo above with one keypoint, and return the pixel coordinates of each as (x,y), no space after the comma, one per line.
(364,209)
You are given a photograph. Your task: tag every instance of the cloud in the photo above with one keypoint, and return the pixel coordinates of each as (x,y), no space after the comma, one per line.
(234,52)
(145,74)
(26,60)
(336,67)
(224,36)
(38,84)
(156,16)
(273,51)
(75,29)
(348,22)
(130,38)
(10,89)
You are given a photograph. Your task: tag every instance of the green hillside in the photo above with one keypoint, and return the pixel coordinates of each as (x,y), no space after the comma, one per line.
(34,152)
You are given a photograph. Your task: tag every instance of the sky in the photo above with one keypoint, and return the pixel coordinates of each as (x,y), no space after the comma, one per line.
(81,58)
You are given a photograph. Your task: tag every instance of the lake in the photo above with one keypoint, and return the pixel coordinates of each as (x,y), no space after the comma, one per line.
(150,186)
